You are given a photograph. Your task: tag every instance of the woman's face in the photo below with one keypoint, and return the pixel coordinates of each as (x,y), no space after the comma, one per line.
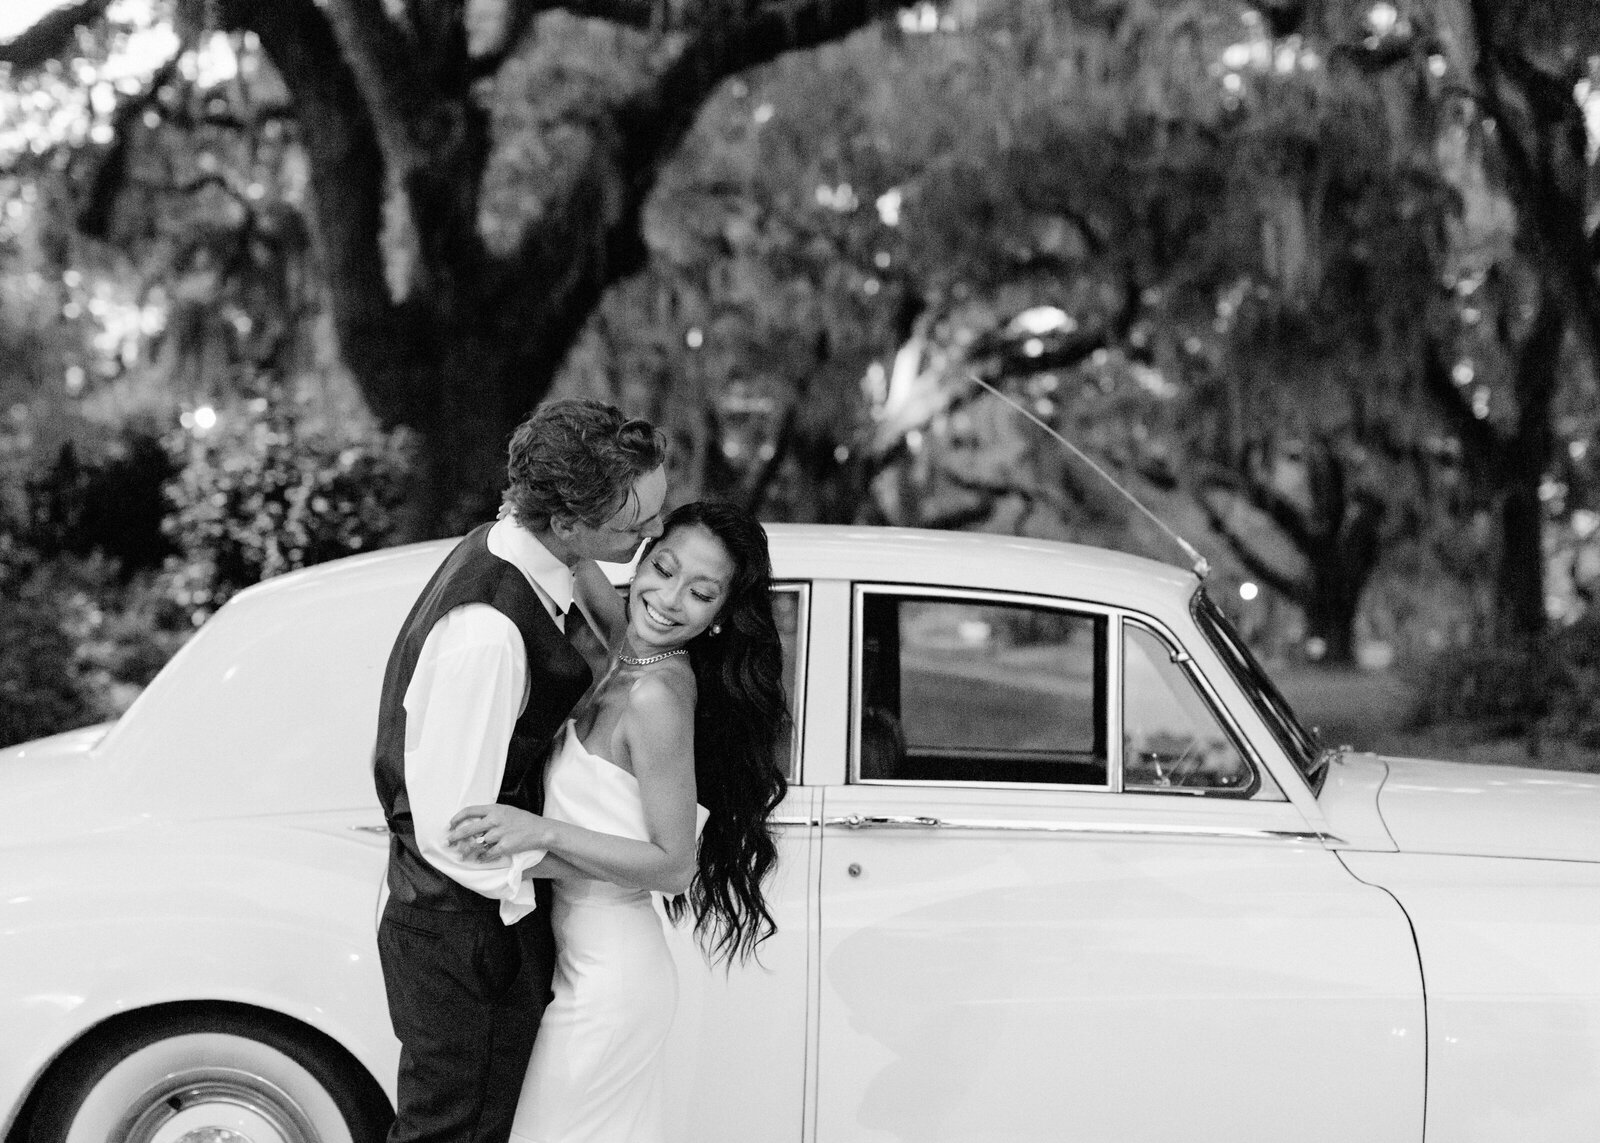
(679,588)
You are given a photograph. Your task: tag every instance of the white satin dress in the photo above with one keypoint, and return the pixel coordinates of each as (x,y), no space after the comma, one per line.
(595,1075)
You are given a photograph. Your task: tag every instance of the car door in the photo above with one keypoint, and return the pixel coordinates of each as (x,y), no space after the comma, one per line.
(737,1054)
(1060,898)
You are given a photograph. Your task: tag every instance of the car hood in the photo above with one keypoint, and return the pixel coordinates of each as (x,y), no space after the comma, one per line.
(1491,811)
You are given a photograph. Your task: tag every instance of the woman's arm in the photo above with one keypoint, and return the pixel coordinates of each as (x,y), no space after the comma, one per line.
(508,831)
(556,869)
(657,729)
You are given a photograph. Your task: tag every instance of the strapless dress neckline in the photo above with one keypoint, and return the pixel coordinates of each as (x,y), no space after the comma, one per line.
(576,747)
(577,740)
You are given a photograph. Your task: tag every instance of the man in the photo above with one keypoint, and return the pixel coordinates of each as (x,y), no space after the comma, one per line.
(483,673)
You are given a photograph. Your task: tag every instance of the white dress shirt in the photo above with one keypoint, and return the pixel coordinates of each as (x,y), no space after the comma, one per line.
(469,688)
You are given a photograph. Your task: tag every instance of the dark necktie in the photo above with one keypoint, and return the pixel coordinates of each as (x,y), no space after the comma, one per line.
(585,640)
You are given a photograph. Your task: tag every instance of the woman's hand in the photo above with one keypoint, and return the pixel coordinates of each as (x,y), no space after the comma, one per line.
(488,833)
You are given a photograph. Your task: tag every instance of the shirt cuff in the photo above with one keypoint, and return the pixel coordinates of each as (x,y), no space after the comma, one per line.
(521,900)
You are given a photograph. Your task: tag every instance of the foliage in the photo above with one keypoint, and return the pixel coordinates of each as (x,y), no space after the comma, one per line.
(86,621)
(259,497)
(44,688)
(1257,230)
(1548,687)
(113,505)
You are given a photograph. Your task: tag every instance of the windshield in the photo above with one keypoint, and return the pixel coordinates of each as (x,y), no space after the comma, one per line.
(1297,742)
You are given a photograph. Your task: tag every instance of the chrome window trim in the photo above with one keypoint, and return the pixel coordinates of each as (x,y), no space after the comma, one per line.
(1122,829)
(1113,712)
(859,593)
(802,656)
(1208,695)
(949,784)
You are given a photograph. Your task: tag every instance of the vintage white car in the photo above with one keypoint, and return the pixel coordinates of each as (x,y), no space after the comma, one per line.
(1058,863)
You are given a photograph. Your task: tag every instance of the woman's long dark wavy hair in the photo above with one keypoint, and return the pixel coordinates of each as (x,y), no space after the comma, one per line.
(740,717)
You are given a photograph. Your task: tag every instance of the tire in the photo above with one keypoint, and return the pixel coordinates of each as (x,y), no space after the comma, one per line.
(204,1075)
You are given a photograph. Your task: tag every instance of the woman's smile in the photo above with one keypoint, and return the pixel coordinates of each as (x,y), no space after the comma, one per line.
(658,617)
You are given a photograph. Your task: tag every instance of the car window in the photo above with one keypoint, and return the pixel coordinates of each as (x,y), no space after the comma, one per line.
(788,611)
(1297,742)
(978,690)
(1171,738)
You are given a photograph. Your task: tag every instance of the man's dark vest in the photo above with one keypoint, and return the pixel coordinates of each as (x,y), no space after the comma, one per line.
(557,678)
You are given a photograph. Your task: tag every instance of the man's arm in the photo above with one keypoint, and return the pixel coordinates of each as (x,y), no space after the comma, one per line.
(600,602)
(463,700)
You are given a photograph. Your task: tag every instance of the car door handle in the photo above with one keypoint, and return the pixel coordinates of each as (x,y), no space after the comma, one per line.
(872,821)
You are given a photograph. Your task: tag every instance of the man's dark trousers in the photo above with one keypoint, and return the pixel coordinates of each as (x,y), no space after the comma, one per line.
(466,1012)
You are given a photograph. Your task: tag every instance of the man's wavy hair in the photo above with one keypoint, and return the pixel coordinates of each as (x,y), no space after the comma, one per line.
(578,459)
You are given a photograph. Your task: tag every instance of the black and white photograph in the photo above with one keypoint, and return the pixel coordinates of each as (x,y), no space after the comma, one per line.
(799,571)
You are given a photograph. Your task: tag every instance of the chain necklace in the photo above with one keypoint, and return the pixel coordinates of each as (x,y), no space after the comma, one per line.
(648,659)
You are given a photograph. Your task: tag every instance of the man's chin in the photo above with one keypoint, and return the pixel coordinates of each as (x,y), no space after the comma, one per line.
(624,556)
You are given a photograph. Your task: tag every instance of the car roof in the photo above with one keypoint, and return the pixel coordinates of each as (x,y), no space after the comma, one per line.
(910,556)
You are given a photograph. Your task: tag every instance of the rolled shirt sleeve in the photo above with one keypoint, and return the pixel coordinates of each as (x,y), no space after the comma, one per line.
(465,695)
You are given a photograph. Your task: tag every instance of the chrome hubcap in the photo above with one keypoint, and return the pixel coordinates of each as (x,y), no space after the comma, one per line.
(215,1105)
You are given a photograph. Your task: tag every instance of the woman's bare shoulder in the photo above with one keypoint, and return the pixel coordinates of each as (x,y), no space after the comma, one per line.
(659,707)
(662,693)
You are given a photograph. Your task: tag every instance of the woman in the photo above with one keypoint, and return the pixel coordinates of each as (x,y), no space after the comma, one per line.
(677,739)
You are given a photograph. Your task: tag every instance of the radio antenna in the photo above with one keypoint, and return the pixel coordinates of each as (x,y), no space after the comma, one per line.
(1199,564)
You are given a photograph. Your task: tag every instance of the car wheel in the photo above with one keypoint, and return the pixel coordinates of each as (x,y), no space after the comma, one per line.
(208,1077)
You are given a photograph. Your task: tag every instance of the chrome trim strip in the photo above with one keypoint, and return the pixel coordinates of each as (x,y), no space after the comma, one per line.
(951,784)
(802,656)
(1115,702)
(795,821)
(378,829)
(1119,829)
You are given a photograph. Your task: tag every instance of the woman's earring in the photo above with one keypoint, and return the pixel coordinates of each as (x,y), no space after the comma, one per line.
(716,629)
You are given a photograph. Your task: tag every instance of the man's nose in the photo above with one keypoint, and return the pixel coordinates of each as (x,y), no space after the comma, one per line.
(652,529)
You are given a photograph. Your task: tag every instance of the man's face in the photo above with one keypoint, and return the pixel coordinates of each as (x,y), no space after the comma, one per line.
(638,519)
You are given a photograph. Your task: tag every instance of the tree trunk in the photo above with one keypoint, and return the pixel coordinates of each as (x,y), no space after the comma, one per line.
(459,470)
(1519,468)
(1331,607)
(1338,530)
(451,340)
(1519,576)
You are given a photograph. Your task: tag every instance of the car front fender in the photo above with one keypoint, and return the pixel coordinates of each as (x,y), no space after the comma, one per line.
(276,914)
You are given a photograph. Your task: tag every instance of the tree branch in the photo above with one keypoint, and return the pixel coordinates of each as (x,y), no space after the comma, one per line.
(347,180)
(725,43)
(386,71)
(1285,585)
(1282,511)
(590,235)
(49,36)
(1550,176)
(629,13)
(111,172)
(754,487)
(514,30)
(1481,444)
